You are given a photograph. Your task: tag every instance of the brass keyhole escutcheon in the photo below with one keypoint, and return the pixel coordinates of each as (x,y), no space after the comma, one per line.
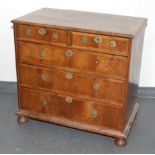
(28,32)
(69,53)
(96,86)
(69,99)
(94,113)
(55,36)
(98,39)
(43,103)
(84,40)
(42,77)
(113,44)
(42,31)
(69,76)
(42,54)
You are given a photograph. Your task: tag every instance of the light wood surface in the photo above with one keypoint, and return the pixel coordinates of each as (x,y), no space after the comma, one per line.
(98,22)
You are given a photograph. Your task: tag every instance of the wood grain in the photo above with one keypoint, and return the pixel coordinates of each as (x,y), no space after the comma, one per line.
(80,125)
(79,110)
(109,90)
(114,25)
(86,61)
(120,49)
(93,89)
(35,36)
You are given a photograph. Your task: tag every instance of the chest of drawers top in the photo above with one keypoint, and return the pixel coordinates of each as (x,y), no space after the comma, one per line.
(117,25)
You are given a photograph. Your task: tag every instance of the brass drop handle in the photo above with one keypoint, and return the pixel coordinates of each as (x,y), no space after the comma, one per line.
(28,32)
(96,86)
(69,53)
(69,76)
(42,77)
(98,39)
(42,31)
(42,54)
(94,113)
(43,103)
(55,36)
(84,40)
(113,44)
(69,99)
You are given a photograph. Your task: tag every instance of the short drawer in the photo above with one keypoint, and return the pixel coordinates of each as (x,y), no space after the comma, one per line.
(68,107)
(83,61)
(103,43)
(103,89)
(42,34)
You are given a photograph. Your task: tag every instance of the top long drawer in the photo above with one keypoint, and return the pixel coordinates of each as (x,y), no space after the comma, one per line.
(42,34)
(78,60)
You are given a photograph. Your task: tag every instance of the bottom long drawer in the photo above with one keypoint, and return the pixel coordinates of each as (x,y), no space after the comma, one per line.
(59,105)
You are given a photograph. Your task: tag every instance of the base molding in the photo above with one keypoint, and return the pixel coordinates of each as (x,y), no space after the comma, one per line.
(70,123)
(81,126)
(131,120)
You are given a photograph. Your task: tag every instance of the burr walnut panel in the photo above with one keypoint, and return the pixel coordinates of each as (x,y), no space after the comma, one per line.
(94,87)
(110,44)
(86,111)
(42,34)
(78,60)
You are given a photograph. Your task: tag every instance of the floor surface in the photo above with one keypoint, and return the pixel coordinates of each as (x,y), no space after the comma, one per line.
(41,137)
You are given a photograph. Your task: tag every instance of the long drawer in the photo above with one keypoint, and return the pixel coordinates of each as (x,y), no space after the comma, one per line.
(69,107)
(102,89)
(103,64)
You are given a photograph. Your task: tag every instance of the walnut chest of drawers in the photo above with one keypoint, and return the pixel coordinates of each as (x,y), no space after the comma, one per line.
(79,69)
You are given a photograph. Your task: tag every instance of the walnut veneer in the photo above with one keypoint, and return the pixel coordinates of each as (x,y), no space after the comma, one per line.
(79,69)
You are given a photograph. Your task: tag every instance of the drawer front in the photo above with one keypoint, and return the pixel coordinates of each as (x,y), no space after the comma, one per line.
(95,88)
(109,44)
(84,61)
(85,111)
(42,34)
